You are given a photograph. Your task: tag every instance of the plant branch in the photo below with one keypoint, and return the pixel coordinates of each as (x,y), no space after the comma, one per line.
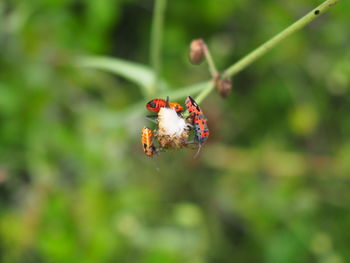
(268,45)
(156,42)
(212,68)
(204,93)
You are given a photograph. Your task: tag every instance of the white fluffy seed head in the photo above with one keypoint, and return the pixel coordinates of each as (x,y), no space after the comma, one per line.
(170,123)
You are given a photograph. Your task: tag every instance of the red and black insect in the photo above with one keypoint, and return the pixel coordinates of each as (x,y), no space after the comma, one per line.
(199,121)
(156,104)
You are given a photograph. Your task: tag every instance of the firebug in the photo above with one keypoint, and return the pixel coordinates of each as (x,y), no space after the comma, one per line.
(199,121)
(155,105)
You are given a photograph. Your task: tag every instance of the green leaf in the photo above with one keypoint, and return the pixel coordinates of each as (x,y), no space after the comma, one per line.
(139,74)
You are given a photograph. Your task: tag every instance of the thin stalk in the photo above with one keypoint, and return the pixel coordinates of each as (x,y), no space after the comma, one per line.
(268,45)
(212,68)
(204,93)
(156,42)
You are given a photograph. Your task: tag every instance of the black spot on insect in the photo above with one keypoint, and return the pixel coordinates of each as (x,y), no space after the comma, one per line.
(317,12)
(144,145)
(152,104)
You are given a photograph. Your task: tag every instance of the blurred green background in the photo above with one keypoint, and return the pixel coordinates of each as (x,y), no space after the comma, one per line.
(271,185)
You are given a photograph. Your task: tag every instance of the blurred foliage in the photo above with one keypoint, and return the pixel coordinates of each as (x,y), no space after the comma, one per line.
(271,185)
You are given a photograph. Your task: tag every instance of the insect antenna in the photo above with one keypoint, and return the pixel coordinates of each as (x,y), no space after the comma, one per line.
(150,118)
(199,149)
(167,102)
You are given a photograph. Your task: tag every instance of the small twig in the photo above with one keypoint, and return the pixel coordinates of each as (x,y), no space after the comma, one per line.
(268,45)
(212,68)
(156,42)
(204,93)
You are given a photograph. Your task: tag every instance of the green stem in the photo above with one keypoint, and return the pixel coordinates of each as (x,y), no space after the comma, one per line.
(268,45)
(204,93)
(212,68)
(156,42)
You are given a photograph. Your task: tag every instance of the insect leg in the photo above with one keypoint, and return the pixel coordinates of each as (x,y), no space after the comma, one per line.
(152,120)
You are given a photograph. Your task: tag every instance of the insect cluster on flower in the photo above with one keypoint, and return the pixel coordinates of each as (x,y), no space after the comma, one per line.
(174,131)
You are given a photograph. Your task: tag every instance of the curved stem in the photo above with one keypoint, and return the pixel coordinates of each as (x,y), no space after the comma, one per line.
(156,42)
(204,93)
(268,45)
(212,68)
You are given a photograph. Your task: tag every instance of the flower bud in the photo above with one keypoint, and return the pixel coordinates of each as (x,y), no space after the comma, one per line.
(196,54)
(223,87)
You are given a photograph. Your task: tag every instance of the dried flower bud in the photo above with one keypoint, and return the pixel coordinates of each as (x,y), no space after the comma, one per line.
(196,54)
(223,86)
